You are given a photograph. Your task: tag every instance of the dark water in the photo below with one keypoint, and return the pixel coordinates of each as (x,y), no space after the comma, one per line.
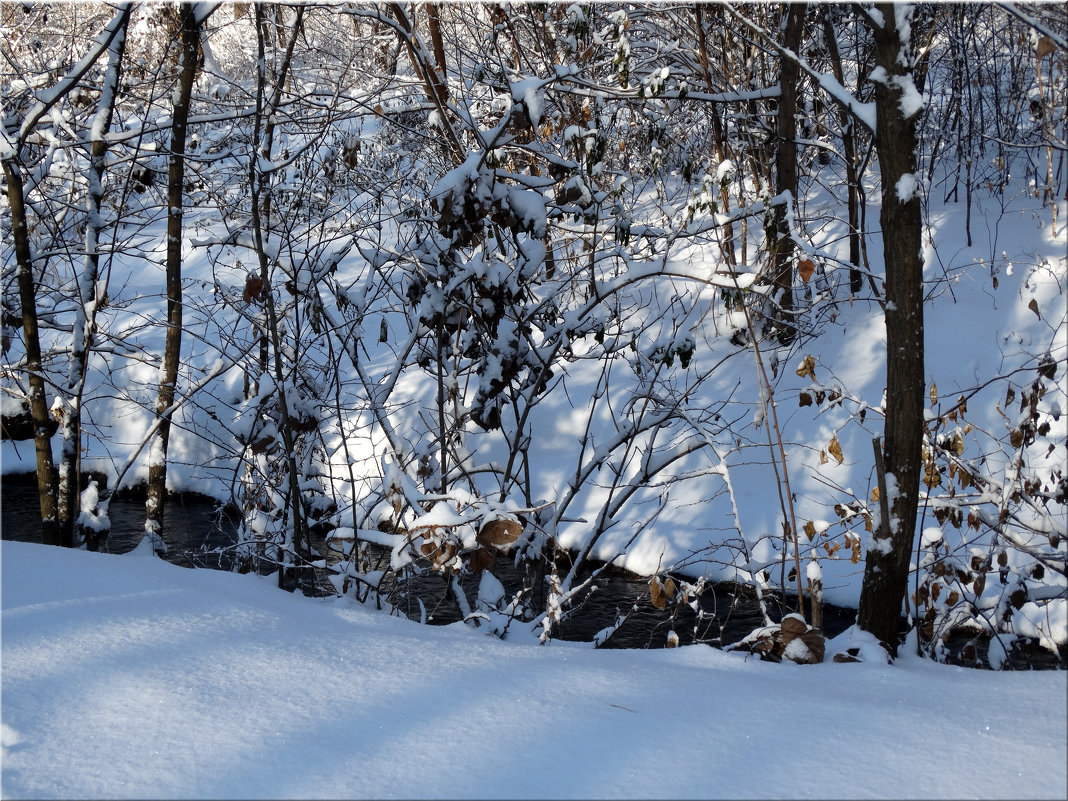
(724,613)
(199,532)
(194,526)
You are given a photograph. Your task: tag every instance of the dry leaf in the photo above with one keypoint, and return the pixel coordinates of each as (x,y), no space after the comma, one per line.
(934,394)
(810,530)
(1018,598)
(253,288)
(656,593)
(875,495)
(823,457)
(932,477)
(792,626)
(807,368)
(849,655)
(835,449)
(805,268)
(1033,306)
(804,399)
(1044,47)
(500,532)
(480,560)
(813,638)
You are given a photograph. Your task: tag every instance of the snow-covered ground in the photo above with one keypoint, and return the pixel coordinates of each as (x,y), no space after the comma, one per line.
(127,677)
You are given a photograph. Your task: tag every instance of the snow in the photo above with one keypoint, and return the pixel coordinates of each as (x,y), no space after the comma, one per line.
(530,93)
(441,515)
(932,535)
(813,571)
(91,517)
(12,403)
(907,187)
(975,332)
(911,101)
(134,678)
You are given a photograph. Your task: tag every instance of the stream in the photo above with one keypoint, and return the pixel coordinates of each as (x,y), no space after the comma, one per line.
(198,532)
(196,528)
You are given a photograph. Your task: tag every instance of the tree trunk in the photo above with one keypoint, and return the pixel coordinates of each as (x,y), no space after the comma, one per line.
(849,154)
(90,292)
(265,111)
(436,90)
(719,135)
(786,176)
(265,148)
(46,480)
(886,569)
(433,14)
(157,467)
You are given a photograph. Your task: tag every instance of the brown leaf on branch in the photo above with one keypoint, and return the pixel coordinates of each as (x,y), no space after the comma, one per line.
(835,449)
(480,560)
(253,288)
(657,594)
(500,532)
(805,268)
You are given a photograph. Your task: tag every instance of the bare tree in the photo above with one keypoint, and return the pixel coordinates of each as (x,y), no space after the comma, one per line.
(191,17)
(46,482)
(898,106)
(20,181)
(91,292)
(786,174)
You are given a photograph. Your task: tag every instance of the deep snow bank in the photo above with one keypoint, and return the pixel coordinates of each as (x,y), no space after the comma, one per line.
(124,676)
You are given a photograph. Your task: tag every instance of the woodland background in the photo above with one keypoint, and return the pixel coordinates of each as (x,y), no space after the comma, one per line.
(434,286)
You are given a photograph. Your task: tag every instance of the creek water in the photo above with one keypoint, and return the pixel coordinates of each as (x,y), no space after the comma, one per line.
(199,532)
(194,525)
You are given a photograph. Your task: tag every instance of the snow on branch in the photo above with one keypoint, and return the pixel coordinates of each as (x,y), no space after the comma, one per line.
(1058,39)
(863,112)
(49,97)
